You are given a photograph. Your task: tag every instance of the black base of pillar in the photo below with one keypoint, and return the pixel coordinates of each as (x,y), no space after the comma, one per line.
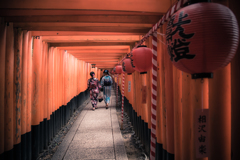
(17,151)
(51,127)
(23,146)
(147,142)
(170,156)
(45,134)
(8,155)
(159,151)
(164,154)
(35,141)
(41,137)
(28,145)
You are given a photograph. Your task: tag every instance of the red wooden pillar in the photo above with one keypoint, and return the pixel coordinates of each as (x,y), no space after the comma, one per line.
(187,123)
(3,30)
(235,91)
(36,97)
(50,91)
(29,99)
(220,114)
(8,111)
(17,89)
(24,92)
(169,107)
(46,111)
(177,92)
(199,99)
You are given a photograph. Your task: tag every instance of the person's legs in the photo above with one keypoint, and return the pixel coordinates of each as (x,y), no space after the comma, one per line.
(92,100)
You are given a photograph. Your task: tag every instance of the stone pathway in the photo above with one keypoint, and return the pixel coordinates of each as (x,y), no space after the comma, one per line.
(94,135)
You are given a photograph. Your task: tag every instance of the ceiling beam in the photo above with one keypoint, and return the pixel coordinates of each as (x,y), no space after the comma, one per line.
(87,19)
(80,24)
(74,33)
(90,44)
(160,6)
(95,47)
(48,12)
(120,38)
(137,31)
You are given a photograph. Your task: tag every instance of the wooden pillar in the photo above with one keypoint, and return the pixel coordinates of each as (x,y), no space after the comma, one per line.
(17,89)
(235,91)
(3,30)
(169,107)
(25,50)
(36,98)
(220,114)
(8,111)
(177,94)
(163,93)
(199,99)
(187,123)
(29,99)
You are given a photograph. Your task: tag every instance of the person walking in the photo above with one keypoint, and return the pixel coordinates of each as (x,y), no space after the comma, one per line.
(106,83)
(93,86)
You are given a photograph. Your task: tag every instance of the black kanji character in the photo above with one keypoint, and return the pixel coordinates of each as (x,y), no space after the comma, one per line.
(202,119)
(201,128)
(180,48)
(179,27)
(202,138)
(202,149)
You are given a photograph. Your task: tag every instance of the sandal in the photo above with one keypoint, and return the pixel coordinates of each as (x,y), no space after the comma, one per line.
(93,108)
(106,106)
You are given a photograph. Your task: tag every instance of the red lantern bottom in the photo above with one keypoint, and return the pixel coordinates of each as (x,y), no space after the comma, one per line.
(202,75)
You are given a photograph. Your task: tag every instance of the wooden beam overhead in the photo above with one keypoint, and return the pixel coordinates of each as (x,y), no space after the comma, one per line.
(70,12)
(87,19)
(97,58)
(107,51)
(89,44)
(74,33)
(124,30)
(125,47)
(160,6)
(79,24)
(103,61)
(120,38)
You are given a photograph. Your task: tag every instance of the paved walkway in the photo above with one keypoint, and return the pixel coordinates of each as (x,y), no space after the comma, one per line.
(94,135)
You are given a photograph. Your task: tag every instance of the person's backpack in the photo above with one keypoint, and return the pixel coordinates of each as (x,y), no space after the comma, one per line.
(107,81)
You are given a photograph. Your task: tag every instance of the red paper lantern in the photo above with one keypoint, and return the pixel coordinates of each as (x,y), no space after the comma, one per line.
(201,38)
(142,59)
(118,69)
(127,66)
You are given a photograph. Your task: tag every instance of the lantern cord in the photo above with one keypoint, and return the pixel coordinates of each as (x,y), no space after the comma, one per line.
(162,42)
(161,34)
(174,8)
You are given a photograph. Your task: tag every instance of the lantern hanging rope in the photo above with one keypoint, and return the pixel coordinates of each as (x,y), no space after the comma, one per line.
(164,19)
(154,97)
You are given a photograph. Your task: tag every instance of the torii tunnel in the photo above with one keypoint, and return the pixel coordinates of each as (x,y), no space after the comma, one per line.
(48,49)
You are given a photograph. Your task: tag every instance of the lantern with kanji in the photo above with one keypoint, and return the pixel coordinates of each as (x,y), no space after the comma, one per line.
(127,66)
(141,59)
(118,69)
(201,38)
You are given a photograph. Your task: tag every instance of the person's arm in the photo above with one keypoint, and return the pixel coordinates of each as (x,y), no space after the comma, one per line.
(102,81)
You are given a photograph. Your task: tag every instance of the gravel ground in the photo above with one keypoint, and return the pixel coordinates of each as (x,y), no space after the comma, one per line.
(57,140)
(133,146)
